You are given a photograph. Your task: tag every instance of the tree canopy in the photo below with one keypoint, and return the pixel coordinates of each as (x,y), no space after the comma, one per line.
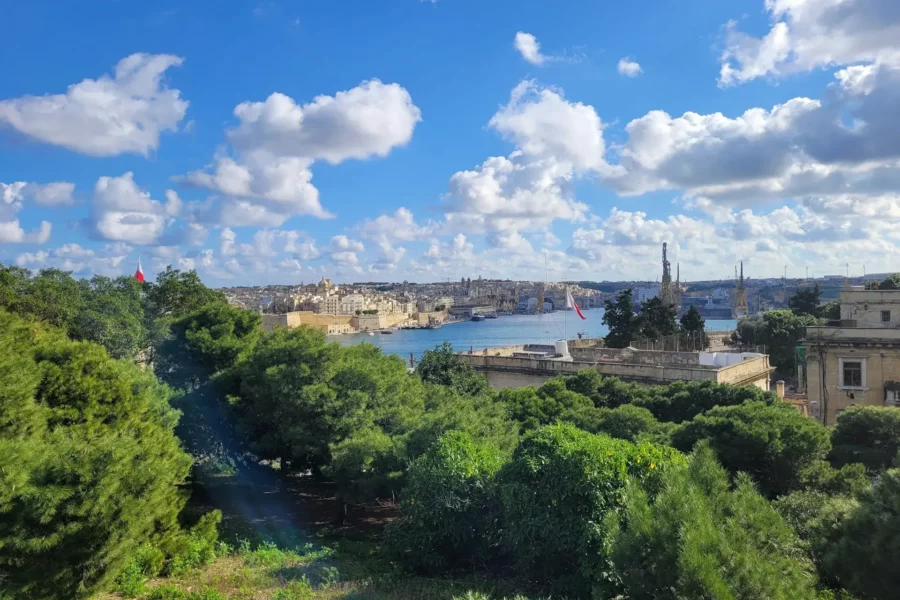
(619,317)
(89,465)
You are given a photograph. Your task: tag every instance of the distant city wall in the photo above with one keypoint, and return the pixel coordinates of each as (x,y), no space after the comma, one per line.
(422,318)
(287,320)
(375,322)
(297,318)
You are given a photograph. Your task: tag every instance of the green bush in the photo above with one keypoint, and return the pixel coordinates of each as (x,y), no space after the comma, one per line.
(169,592)
(449,509)
(774,443)
(699,539)
(867,434)
(196,548)
(864,556)
(148,561)
(560,487)
(295,590)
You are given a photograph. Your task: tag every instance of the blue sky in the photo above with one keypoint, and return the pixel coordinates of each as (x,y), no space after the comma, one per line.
(279,142)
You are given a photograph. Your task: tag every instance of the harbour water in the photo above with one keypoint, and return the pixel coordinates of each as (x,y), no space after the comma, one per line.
(502,331)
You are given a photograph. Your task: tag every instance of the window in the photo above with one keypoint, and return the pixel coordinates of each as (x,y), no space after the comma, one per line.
(885,316)
(851,373)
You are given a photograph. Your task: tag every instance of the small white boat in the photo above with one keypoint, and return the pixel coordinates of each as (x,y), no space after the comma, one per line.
(372,333)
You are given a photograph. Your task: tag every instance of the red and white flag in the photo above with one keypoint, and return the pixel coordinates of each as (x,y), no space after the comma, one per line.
(139,274)
(570,303)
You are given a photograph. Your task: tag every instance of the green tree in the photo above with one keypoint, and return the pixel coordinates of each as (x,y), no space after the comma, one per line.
(692,322)
(773,443)
(817,518)
(891,282)
(863,557)
(632,423)
(112,315)
(450,509)
(89,466)
(656,319)
(13,282)
(218,335)
(683,400)
(806,301)
(608,392)
(830,310)
(619,317)
(176,294)
(783,332)
(698,538)
(553,401)
(442,366)
(556,493)
(869,435)
(53,297)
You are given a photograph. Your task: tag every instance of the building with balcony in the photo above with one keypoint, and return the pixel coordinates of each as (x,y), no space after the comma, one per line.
(854,361)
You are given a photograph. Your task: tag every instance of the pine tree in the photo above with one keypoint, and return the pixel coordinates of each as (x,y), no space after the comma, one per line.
(89,466)
(619,316)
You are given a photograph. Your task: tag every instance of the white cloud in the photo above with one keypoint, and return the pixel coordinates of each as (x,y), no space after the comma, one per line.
(277,141)
(11,232)
(106,116)
(557,141)
(13,195)
(629,68)
(808,34)
(846,142)
(529,48)
(123,212)
(77,259)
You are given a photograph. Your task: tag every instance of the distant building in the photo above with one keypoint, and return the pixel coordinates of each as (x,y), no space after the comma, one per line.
(854,361)
(520,366)
(642,294)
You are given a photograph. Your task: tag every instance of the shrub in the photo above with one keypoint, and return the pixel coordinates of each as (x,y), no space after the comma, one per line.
(449,508)
(774,444)
(556,493)
(863,558)
(867,434)
(699,539)
(148,561)
(295,590)
(197,548)
(169,592)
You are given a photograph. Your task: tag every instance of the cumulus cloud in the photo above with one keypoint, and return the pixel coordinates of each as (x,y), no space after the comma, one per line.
(276,142)
(808,34)
(106,116)
(529,48)
(557,141)
(629,68)
(843,143)
(11,232)
(123,212)
(106,260)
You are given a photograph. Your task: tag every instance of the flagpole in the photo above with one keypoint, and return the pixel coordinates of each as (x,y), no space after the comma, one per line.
(567,317)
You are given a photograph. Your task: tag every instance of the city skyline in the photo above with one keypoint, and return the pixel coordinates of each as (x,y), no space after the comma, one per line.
(424,141)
